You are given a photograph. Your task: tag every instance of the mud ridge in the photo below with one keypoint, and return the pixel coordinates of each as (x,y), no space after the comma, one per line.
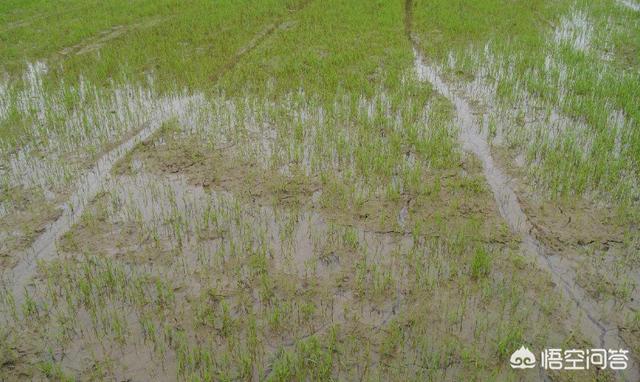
(602,333)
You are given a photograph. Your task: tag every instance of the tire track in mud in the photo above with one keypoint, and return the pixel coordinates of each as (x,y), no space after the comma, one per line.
(257,40)
(602,333)
(97,41)
(17,279)
(44,247)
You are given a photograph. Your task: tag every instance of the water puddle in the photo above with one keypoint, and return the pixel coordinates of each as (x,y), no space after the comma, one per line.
(585,310)
(473,141)
(86,189)
(298,242)
(64,139)
(575,30)
(92,182)
(631,5)
(214,241)
(135,361)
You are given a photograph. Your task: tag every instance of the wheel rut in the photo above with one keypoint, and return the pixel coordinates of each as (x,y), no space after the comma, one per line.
(582,307)
(17,279)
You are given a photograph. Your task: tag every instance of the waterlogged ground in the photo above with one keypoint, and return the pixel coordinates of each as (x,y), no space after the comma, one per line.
(305,190)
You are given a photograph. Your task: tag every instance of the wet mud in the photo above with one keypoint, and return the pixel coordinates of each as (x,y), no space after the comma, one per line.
(90,183)
(166,251)
(299,245)
(585,309)
(87,187)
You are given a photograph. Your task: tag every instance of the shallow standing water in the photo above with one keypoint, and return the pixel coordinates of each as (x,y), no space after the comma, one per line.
(220,230)
(92,182)
(631,4)
(44,247)
(602,333)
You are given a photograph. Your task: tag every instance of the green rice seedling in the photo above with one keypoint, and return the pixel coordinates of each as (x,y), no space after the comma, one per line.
(480,264)
(304,210)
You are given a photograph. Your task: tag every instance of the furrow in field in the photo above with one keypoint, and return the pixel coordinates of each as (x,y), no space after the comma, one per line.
(585,309)
(87,187)
(91,183)
(96,42)
(258,39)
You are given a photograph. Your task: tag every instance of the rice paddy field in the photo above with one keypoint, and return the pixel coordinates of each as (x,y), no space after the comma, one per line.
(316,190)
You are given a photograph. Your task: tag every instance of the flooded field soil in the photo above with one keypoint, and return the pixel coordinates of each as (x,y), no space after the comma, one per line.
(563,270)
(317,191)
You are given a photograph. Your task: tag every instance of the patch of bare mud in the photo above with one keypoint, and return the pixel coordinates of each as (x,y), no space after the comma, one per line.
(90,356)
(27,214)
(600,243)
(563,223)
(299,247)
(212,167)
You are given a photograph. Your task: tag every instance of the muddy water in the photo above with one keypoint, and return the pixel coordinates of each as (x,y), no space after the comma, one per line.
(584,310)
(91,183)
(87,187)
(301,243)
(219,233)
(575,30)
(298,242)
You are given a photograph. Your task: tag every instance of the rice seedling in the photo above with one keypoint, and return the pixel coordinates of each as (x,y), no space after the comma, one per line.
(304,190)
